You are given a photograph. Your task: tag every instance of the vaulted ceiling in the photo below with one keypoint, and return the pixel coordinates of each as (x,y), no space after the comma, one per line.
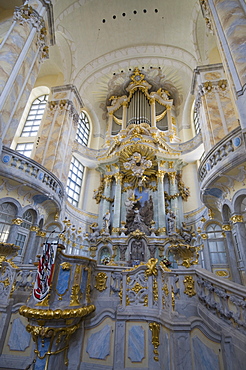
(100,42)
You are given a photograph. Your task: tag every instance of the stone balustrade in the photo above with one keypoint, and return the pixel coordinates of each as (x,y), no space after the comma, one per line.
(223,298)
(20,168)
(224,153)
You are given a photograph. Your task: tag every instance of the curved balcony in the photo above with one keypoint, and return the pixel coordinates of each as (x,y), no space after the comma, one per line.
(19,168)
(224,156)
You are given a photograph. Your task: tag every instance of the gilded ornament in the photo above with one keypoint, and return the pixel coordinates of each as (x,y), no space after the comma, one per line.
(165,289)
(208,86)
(226,227)
(221,273)
(222,85)
(236,218)
(34,228)
(120,295)
(5,282)
(41,233)
(204,236)
(146,300)
(186,253)
(118,177)
(151,267)
(127,301)
(101,280)
(155,290)
(189,284)
(137,233)
(66,265)
(165,268)
(137,287)
(17,221)
(48,314)
(75,296)
(173,298)
(160,174)
(161,230)
(155,329)
(210,214)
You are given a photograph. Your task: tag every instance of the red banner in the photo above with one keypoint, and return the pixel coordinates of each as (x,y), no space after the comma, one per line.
(45,271)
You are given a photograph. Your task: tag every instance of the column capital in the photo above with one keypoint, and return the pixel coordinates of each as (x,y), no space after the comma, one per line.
(108,179)
(118,177)
(172,176)
(226,227)
(26,14)
(236,218)
(17,221)
(160,174)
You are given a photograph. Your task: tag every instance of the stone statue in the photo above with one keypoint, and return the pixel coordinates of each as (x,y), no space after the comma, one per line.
(106,222)
(186,233)
(171,220)
(95,231)
(137,250)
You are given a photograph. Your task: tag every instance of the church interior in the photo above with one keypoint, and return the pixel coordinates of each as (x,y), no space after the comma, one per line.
(122,184)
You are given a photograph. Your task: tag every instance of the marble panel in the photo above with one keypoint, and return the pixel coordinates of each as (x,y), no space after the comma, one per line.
(2,322)
(84,281)
(98,345)
(204,357)
(166,352)
(62,281)
(136,343)
(19,338)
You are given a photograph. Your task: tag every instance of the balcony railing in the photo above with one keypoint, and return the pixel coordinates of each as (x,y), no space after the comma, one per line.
(223,298)
(20,168)
(221,156)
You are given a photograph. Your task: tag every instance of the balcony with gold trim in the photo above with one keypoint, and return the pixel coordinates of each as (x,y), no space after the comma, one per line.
(225,156)
(28,173)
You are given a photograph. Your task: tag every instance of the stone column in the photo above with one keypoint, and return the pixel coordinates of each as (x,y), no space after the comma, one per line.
(240,238)
(117,203)
(227,19)
(106,196)
(206,253)
(174,192)
(59,128)
(161,203)
(31,250)
(232,258)
(24,47)
(16,222)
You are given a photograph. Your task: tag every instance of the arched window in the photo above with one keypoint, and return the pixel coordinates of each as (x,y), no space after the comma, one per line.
(216,245)
(25,142)
(23,231)
(7,214)
(196,121)
(74,181)
(83,131)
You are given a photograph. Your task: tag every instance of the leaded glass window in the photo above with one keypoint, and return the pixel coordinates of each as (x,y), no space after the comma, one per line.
(34,117)
(74,182)
(83,130)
